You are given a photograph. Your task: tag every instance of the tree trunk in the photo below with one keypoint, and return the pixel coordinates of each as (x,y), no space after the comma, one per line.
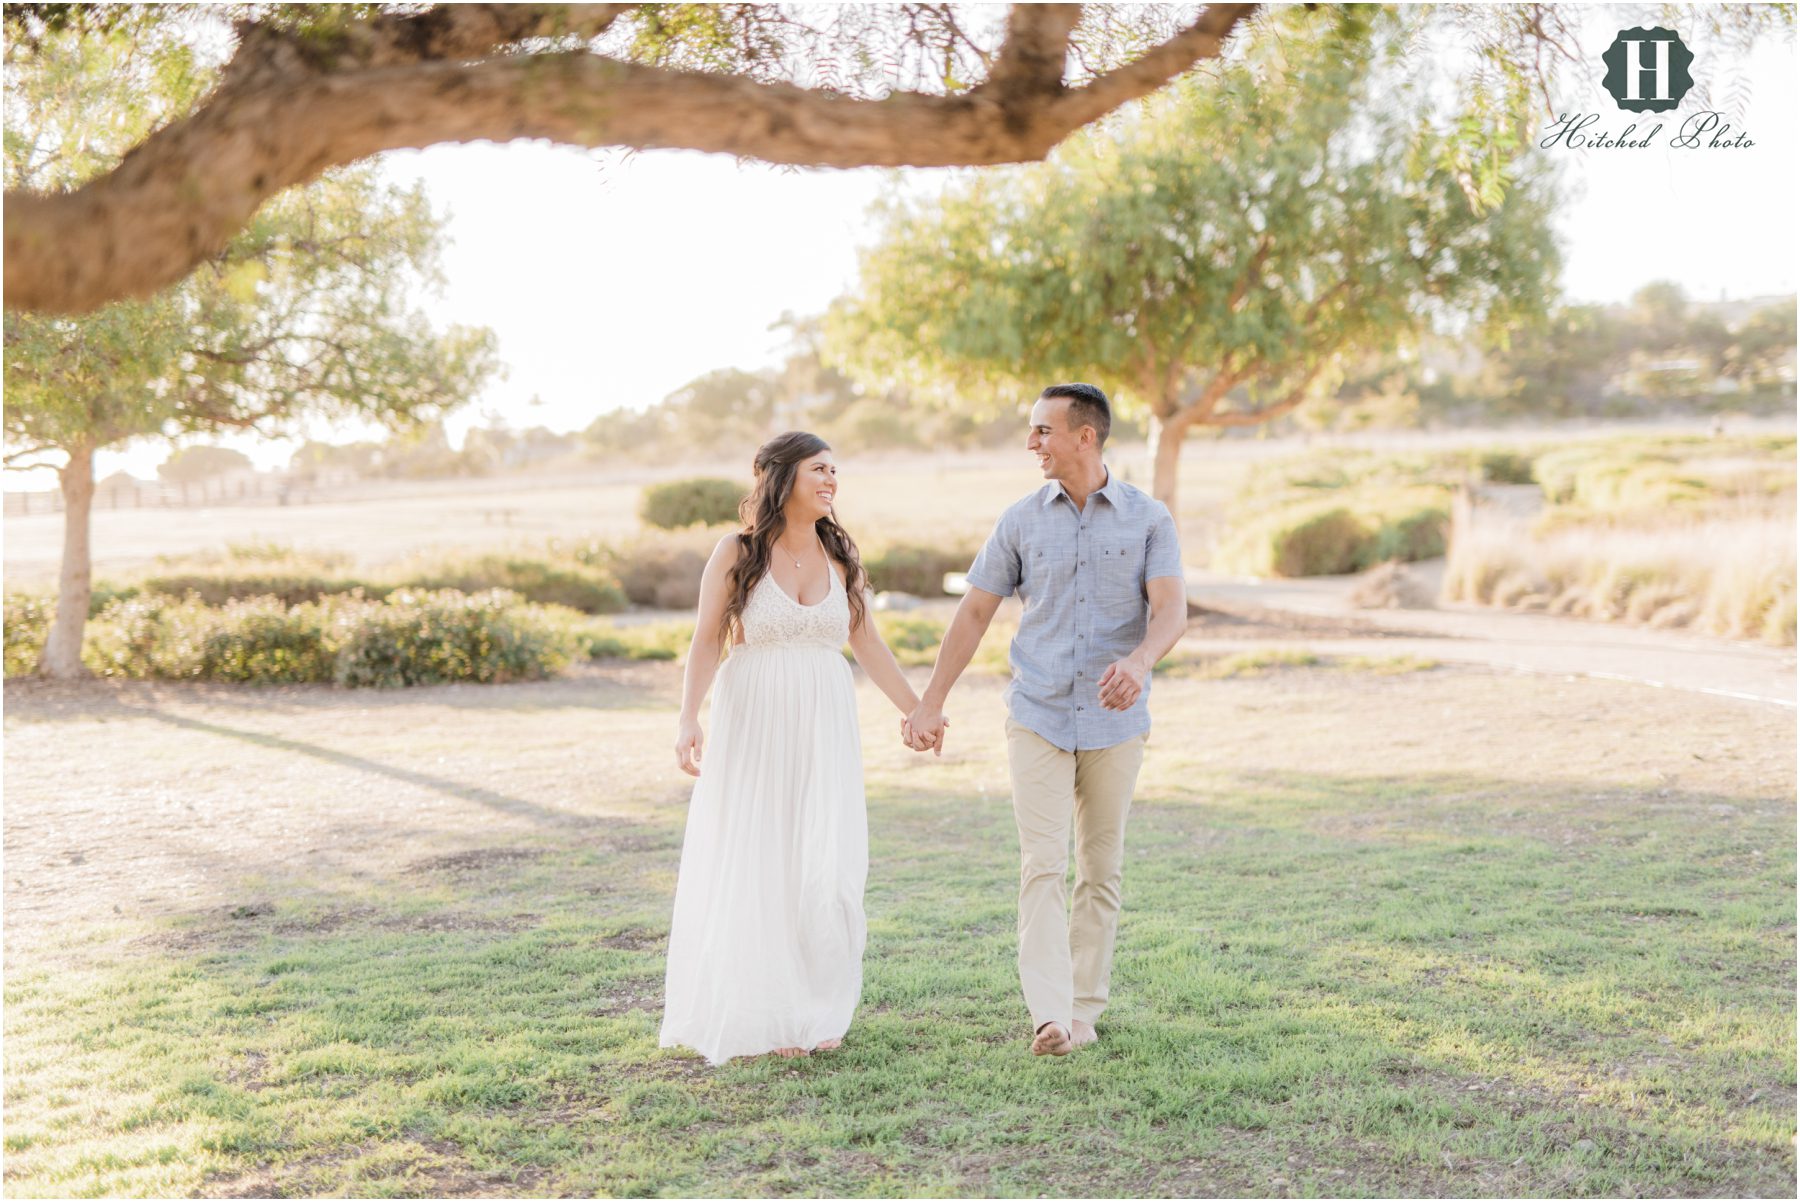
(62,647)
(1165,446)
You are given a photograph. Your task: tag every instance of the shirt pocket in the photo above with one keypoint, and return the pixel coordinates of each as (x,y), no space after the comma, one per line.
(1121,576)
(1046,567)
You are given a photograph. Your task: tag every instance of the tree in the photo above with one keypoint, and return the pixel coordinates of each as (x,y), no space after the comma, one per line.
(310,87)
(1217,253)
(193,465)
(305,313)
(1758,347)
(302,88)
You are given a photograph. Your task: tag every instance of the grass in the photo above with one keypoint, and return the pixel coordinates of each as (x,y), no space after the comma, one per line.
(1260,660)
(1456,933)
(1729,577)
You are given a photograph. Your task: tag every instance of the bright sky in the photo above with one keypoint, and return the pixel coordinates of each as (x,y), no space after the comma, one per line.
(613,280)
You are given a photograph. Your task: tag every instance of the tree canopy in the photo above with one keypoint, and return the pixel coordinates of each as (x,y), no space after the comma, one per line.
(1214,255)
(275,94)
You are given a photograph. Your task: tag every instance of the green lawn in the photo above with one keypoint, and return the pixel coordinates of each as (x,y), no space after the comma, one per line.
(1433,932)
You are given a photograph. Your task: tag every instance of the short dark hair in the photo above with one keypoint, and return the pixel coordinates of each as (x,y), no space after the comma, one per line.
(1088,406)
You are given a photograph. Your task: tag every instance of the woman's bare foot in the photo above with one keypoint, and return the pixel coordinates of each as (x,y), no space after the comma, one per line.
(790,1053)
(826,1045)
(1081,1034)
(1051,1040)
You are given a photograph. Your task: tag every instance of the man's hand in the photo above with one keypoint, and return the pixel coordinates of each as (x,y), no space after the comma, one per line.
(1122,683)
(924,728)
(688,740)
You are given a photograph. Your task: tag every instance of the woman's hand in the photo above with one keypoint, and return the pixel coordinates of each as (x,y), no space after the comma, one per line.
(688,741)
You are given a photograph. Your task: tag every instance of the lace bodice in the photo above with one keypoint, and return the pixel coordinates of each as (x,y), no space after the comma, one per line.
(772,618)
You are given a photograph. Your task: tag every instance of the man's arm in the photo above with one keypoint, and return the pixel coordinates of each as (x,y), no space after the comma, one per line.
(972,618)
(1123,680)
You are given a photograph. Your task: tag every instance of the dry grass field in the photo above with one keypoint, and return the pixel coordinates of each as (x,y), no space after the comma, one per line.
(893,498)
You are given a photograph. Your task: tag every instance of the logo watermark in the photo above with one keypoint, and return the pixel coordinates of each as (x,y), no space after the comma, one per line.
(1647,69)
(1646,72)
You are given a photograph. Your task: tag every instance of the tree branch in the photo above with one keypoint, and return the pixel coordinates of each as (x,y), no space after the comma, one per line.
(281,120)
(13,457)
(1255,417)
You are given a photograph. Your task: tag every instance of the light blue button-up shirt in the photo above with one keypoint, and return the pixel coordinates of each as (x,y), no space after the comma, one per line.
(1081,576)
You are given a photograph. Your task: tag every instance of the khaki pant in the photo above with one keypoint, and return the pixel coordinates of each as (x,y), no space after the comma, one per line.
(1065,955)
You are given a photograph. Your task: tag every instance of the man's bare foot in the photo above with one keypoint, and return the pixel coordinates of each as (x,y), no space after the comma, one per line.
(826,1045)
(1051,1040)
(790,1053)
(1081,1034)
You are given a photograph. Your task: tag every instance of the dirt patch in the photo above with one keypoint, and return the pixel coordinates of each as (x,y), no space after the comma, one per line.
(440,1169)
(633,995)
(476,859)
(635,940)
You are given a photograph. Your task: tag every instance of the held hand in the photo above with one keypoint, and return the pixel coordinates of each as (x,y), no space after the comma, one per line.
(924,728)
(1121,684)
(688,741)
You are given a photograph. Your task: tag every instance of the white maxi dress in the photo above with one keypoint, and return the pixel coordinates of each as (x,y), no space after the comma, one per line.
(766,941)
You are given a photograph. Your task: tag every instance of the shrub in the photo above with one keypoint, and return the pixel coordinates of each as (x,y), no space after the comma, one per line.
(701,501)
(1498,466)
(412,637)
(916,568)
(1407,529)
(644,640)
(588,588)
(260,640)
(27,623)
(914,640)
(223,586)
(421,637)
(662,572)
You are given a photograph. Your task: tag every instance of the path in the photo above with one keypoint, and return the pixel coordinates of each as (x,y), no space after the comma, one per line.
(1482,635)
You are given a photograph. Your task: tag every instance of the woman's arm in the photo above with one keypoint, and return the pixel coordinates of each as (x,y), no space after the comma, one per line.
(703,654)
(877,659)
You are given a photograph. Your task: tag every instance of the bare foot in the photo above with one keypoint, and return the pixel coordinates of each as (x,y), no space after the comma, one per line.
(790,1053)
(1081,1034)
(825,1045)
(1051,1040)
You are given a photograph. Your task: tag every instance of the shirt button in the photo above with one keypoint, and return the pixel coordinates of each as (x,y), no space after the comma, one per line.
(1081,707)
(1083,600)
(1084,563)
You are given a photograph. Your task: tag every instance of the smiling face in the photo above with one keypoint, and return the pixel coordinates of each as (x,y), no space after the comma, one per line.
(1058,448)
(815,488)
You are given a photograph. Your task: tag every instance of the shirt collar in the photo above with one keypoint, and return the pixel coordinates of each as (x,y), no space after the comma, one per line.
(1109,490)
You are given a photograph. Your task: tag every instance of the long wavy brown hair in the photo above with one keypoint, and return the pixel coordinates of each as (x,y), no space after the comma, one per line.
(763,517)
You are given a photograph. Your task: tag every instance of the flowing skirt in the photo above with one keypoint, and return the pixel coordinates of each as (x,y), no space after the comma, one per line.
(766,942)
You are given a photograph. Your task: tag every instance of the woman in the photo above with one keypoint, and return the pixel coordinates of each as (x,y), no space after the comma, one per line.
(766,943)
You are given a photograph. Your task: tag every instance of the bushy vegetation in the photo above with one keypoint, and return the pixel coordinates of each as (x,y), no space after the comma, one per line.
(1694,533)
(1722,577)
(298,577)
(701,501)
(27,622)
(917,568)
(410,637)
(1328,512)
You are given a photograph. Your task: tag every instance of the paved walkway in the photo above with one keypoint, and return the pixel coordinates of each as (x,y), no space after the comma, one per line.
(1527,642)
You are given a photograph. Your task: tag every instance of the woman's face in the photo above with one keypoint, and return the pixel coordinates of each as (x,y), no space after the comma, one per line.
(815,486)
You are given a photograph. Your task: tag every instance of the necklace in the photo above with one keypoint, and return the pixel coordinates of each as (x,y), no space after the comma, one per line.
(790,554)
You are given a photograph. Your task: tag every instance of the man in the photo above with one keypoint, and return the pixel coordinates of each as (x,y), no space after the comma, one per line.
(1098,567)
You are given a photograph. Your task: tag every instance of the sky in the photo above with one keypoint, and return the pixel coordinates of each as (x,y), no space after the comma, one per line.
(613,279)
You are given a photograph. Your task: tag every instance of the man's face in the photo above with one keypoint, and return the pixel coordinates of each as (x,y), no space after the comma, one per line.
(1051,440)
